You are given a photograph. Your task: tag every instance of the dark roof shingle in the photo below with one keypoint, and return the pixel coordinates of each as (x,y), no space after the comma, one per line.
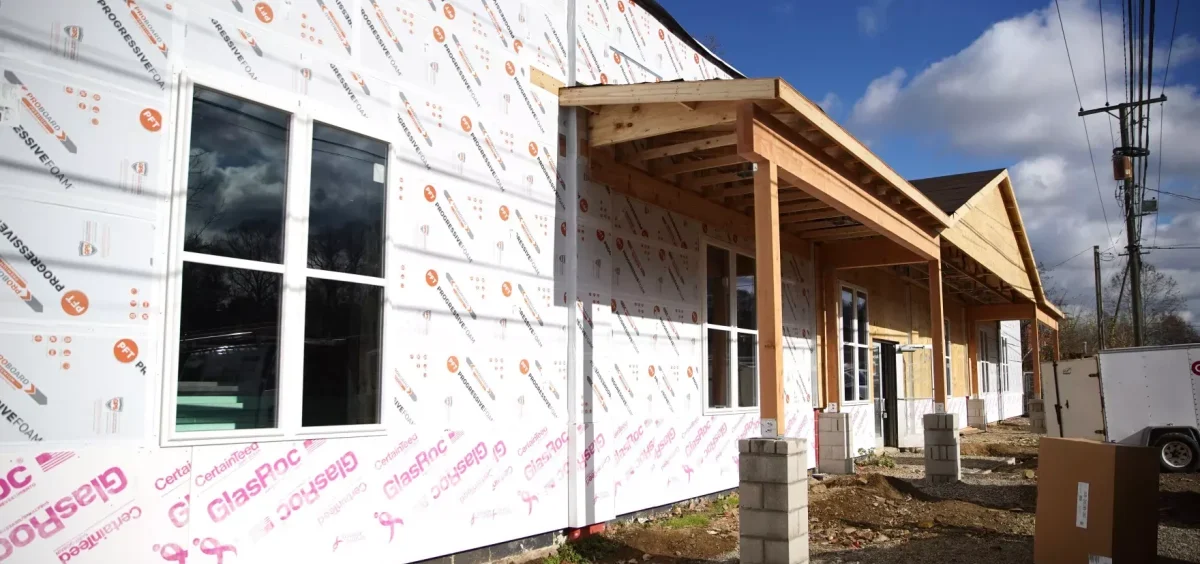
(951,192)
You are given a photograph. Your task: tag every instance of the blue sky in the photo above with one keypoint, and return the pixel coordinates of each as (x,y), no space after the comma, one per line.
(939,87)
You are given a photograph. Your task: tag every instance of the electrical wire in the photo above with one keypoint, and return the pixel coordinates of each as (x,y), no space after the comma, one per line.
(1162,109)
(1087,136)
(1176,248)
(1183,196)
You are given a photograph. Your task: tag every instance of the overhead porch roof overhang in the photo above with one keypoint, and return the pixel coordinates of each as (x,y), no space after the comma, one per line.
(694,147)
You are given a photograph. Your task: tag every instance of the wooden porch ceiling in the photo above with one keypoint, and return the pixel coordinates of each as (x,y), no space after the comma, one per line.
(685,135)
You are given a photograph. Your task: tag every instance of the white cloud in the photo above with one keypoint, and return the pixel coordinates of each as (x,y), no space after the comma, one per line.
(830,102)
(872,17)
(1009,95)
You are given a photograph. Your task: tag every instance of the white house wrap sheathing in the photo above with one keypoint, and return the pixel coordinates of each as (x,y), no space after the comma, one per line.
(477,421)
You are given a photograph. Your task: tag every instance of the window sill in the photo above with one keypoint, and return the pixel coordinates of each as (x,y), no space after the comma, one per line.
(713,411)
(270,436)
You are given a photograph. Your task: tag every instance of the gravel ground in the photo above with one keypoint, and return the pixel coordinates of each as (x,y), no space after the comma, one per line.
(887,513)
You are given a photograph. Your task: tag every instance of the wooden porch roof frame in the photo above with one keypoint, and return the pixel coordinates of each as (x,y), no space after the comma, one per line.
(697,144)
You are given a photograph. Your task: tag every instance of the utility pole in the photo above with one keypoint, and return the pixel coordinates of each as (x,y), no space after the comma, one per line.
(1123,169)
(1099,302)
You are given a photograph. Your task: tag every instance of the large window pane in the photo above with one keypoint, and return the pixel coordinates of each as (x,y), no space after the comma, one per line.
(237,171)
(718,368)
(228,349)
(347,202)
(746,316)
(862,319)
(847,316)
(863,374)
(718,292)
(848,376)
(342,342)
(747,350)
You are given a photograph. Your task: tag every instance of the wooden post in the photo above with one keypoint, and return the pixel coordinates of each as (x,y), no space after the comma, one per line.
(938,332)
(1057,352)
(1035,339)
(971,329)
(830,296)
(768,290)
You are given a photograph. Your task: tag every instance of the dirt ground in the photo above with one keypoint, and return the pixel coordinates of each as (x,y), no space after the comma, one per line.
(887,513)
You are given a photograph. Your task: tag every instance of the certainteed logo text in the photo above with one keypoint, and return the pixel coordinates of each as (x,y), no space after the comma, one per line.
(431,278)
(431,197)
(20,382)
(349,92)
(467,126)
(127,38)
(440,35)
(237,53)
(379,39)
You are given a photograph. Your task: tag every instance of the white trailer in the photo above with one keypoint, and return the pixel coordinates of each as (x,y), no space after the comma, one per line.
(1147,396)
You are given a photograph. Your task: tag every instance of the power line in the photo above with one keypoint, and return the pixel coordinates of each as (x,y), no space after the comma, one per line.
(1087,136)
(1103,53)
(1185,197)
(1162,109)
(1176,248)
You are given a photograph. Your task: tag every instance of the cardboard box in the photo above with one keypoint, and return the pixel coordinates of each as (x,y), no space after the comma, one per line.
(1096,503)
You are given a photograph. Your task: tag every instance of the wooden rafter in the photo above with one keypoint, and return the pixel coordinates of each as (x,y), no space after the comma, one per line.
(709,142)
(616,124)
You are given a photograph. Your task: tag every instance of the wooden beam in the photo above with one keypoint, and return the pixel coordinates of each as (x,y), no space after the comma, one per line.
(768,292)
(761,137)
(811,216)
(689,105)
(821,226)
(715,179)
(972,354)
(539,78)
(938,334)
(1046,317)
(617,124)
(982,280)
(742,189)
(722,140)
(864,254)
(698,165)
(852,230)
(1057,350)
(636,183)
(1002,312)
(811,205)
(663,92)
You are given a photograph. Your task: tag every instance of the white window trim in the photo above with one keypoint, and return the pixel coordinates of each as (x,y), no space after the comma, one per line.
(705,243)
(841,344)
(304,112)
(1005,371)
(984,376)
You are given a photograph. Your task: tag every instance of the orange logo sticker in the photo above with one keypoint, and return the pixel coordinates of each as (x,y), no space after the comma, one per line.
(696,56)
(439,34)
(620,244)
(448,9)
(689,372)
(517,45)
(651,371)
(617,57)
(562,228)
(533,149)
(599,234)
(430,193)
(603,78)
(614,306)
(503,213)
(264,12)
(126,351)
(510,68)
(431,277)
(465,122)
(151,119)
(661,35)
(620,6)
(506,289)
(524,366)
(452,364)
(695,317)
(583,205)
(75,303)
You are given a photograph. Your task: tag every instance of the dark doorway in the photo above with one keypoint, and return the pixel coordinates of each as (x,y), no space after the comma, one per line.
(886,417)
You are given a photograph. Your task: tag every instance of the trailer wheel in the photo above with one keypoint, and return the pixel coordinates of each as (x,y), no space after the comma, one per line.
(1177,452)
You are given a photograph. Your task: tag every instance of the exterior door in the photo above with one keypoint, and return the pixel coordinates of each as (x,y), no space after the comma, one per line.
(884,384)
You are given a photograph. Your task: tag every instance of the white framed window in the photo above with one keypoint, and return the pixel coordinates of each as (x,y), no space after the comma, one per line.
(279,262)
(949,358)
(855,349)
(1005,384)
(731,330)
(985,376)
